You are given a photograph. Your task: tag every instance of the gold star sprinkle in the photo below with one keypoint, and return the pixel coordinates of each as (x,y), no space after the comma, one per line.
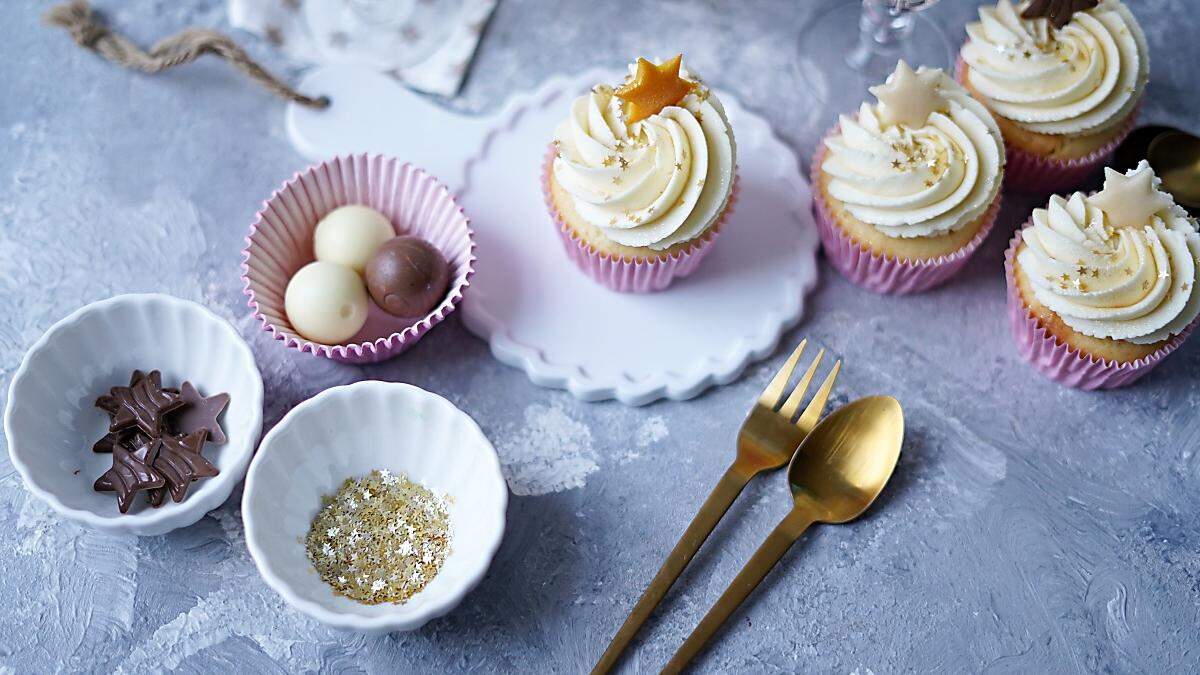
(653,88)
(678,166)
(624,162)
(1146,284)
(609,161)
(896,164)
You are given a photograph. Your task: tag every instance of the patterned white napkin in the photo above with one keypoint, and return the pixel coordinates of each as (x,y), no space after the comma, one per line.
(427,44)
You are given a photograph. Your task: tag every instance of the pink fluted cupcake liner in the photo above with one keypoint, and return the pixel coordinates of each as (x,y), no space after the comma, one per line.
(631,276)
(884,273)
(1027,172)
(1061,362)
(281,242)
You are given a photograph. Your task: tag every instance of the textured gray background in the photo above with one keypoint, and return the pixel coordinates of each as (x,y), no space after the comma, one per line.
(1028,527)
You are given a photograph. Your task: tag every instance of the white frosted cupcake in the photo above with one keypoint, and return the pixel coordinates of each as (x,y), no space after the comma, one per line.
(908,188)
(640,177)
(1102,287)
(1064,84)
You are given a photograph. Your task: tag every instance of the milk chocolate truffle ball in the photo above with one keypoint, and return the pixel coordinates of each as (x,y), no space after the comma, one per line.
(326,302)
(348,235)
(407,276)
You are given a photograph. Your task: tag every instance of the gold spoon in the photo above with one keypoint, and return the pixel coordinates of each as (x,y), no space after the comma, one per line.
(835,475)
(1175,156)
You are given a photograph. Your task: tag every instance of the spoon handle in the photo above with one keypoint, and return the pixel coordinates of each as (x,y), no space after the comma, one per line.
(718,502)
(777,543)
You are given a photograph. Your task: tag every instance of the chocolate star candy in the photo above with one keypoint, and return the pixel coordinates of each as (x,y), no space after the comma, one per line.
(1058,12)
(179,460)
(200,413)
(130,438)
(143,404)
(129,475)
(137,375)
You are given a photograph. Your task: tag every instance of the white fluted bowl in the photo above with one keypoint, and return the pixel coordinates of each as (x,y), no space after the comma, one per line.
(348,432)
(51,421)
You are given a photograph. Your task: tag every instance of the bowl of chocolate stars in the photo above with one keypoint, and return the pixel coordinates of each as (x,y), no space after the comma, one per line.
(356,258)
(136,414)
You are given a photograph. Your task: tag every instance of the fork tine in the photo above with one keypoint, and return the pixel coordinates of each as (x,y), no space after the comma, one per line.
(813,412)
(770,395)
(793,403)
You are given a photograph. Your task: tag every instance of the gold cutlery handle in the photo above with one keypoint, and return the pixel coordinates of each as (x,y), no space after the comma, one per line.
(718,502)
(778,542)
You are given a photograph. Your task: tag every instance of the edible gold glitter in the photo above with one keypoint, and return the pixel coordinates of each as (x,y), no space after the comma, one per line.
(379,539)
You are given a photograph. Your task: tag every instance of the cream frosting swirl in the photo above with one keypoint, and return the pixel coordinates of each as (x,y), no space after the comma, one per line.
(654,183)
(919,181)
(1112,277)
(1085,78)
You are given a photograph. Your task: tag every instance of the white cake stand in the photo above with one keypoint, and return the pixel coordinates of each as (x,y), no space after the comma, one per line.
(535,309)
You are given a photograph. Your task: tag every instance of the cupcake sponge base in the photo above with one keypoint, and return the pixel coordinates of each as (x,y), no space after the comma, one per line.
(1062,362)
(631,274)
(882,273)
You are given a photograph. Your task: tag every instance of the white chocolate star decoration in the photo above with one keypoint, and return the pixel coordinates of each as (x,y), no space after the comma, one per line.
(908,97)
(1130,199)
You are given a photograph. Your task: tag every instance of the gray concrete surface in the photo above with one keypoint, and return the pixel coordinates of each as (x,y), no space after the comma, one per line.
(1028,528)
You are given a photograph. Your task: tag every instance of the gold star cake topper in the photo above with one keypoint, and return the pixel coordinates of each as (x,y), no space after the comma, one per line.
(653,88)
(909,97)
(1130,199)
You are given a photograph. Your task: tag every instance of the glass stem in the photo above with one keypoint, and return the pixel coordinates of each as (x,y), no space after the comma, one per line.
(884,24)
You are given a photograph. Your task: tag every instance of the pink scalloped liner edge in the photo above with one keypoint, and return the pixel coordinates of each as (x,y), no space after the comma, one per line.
(1061,362)
(381,348)
(882,273)
(632,276)
(1027,172)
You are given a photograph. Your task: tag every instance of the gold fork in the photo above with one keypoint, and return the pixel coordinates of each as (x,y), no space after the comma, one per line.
(767,440)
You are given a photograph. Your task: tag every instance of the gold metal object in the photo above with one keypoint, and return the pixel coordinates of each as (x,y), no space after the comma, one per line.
(835,475)
(1175,156)
(767,440)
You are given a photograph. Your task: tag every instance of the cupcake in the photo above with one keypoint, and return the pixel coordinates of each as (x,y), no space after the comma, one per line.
(639,177)
(907,189)
(1102,287)
(1064,84)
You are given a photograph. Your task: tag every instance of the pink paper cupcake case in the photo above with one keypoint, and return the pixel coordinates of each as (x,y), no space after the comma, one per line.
(1027,172)
(631,276)
(882,273)
(280,242)
(1065,364)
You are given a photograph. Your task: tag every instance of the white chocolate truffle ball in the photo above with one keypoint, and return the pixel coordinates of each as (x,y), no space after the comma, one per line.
(348,235)
(326,302)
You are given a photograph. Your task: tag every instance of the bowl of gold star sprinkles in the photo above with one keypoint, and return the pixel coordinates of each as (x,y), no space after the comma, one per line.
(135,414)
(374,507)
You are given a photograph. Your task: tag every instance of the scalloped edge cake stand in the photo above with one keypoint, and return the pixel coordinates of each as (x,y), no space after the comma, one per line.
(536,311)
